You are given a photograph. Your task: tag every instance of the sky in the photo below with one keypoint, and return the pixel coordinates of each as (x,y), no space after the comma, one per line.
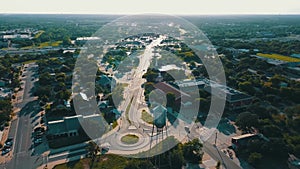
(174,7)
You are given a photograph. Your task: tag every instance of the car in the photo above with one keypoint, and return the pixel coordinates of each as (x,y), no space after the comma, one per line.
(9,139)
(39,135)
(39,129)
(5,151)
(38,141)
(8,142)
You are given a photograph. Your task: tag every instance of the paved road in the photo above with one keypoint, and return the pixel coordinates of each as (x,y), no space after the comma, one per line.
(131,122)
(21,128)
(218,155)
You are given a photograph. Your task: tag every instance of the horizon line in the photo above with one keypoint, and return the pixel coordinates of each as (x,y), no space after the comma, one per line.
(202,14)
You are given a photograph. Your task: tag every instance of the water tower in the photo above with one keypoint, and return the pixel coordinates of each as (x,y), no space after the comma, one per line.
(159,122)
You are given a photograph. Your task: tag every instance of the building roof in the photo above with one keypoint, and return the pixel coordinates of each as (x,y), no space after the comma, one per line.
(167,88)
(103,104)
(2,83)
(243,136)
(84,96)
(231,94)
(160,109)
(190,83)
(116,111)
(159,113)
(104,80)
(71,123)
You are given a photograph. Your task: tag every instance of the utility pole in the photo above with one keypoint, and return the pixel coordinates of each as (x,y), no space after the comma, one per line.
(216,138)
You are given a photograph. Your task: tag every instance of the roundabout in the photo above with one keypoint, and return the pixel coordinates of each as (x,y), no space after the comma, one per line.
(130,139)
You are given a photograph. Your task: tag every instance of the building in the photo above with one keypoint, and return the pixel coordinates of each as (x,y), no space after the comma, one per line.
(5,93)
(2,83)
(68,126)
(165,88)
(159,113)
(234,99)
(117,113)
(189,85)
(106,81)
(242,140)
(103,104)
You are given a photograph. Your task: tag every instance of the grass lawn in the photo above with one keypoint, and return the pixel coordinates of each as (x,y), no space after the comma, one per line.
(38,34)
(54,44)
(73,164)
(279,57)
(29,61)
(106,161)
(67,141)
(167,143)
(130,139)
(146,117)
(45,44)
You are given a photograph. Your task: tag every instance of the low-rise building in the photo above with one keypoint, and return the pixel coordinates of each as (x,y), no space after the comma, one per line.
(106,81)
(234,98)
(68,126)
(2,83)
(242,140)
(180,96)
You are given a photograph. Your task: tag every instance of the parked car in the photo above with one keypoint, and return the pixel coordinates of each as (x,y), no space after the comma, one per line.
(8,142)
(38,141)
(5,151)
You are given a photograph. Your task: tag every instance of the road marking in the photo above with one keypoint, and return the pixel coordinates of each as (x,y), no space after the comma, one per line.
(18,120)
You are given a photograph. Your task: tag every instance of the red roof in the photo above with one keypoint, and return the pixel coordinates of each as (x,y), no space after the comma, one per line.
(166,88)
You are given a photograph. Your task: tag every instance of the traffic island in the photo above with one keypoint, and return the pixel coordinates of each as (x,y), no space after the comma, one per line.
(130,139)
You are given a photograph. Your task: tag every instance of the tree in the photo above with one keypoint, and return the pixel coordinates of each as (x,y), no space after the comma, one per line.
(151,75)
(254,158)
(246,120)
(247,87)
(66,41)
(93,149)
(218,165)
(171,100)
(192,151)
(271,131)
(135,164)
(45,78)
(176,158)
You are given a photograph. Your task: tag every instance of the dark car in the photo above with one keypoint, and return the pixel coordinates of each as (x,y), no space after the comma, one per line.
(5,151)
(8,142)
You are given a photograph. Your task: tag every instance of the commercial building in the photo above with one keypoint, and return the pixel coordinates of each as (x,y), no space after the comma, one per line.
(68,126)
(243,140)
(234,98)
(180,97)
